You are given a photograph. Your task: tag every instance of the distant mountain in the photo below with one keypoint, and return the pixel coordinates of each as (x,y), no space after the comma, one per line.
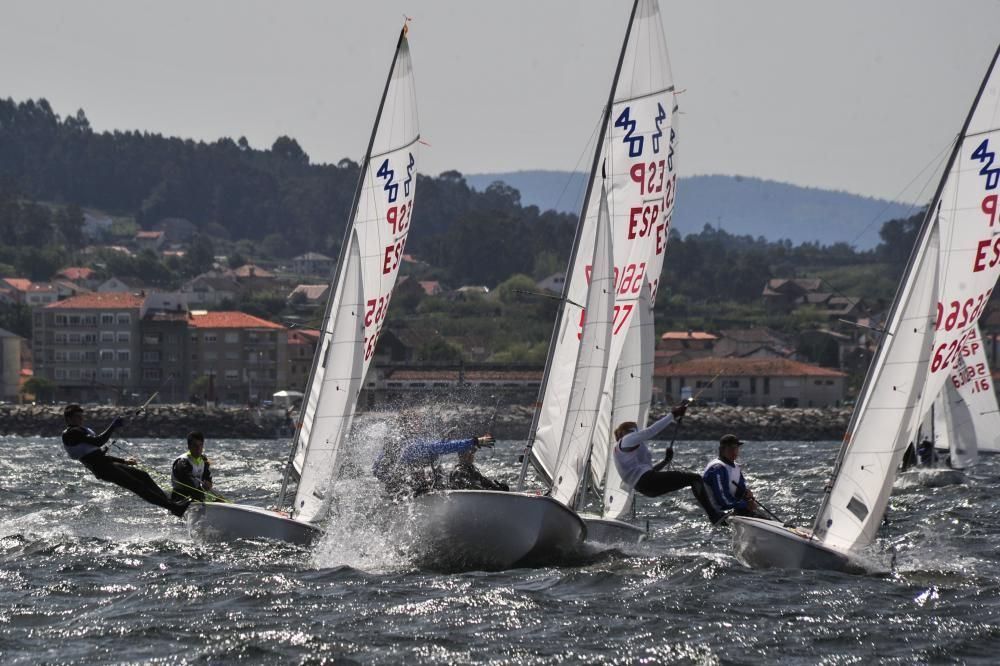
(740,205)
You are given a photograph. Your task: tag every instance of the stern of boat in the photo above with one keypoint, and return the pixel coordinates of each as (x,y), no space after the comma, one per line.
(765,544)
(219,522)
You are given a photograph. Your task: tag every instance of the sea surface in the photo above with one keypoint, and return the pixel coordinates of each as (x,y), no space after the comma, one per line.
(89,574)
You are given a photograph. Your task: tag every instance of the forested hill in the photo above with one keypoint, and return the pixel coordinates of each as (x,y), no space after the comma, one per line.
(741,206)
(273,204)
(230,190)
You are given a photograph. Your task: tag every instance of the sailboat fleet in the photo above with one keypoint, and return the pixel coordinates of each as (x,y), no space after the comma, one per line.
(929,367)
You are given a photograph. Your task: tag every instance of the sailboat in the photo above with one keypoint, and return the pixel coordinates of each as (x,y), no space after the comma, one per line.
(500,530)
(361,288)
(948,280)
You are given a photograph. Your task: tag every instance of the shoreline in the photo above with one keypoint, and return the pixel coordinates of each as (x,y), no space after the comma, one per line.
(510,422)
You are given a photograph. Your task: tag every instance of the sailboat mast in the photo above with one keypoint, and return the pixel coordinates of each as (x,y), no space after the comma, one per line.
(933,210)
(598,151)
(341,263)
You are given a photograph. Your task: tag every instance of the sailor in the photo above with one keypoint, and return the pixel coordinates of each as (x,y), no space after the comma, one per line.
(926,456)
(724,479)
(191,473)
(465,476)
(411,469)
(634,464)
(82,444)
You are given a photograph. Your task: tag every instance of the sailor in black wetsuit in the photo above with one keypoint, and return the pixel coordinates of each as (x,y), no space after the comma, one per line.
(83,444)
(465,476)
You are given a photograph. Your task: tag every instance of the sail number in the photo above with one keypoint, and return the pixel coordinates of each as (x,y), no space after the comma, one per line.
(618,321)
(631,278)
(945,354)
(978,375)
(960,315)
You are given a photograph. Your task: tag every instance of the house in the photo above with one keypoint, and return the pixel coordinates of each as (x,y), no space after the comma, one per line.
(163,348)
(29,293)
(783,295)
(208,291)
(114,285)
(302,344)
(251,272)
(66,289)
(96,225)
(149,240)
(176,230)
(313,263)
(32,294)
(308,295)
(752,341)
(695,343)
(79,275)
(469,291)
(85,345)
(553,283)
(432,287)
(244,357)
(752,382)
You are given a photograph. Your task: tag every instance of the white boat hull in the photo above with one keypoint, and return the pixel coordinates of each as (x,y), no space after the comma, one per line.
(764,544)
(491,530)
(218,521)
(609,531)
(933,477)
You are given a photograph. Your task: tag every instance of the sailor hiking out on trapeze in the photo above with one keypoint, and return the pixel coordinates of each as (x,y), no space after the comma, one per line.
(634,463)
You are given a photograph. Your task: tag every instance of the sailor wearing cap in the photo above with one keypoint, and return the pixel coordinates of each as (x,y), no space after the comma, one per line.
(724,478)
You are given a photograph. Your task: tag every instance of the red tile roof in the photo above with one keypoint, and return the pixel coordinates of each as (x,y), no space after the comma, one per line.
(231,319)
(152,235)
(108,301)
(744,367)
(21,284)
(76,273)
(688,335)
(252,270)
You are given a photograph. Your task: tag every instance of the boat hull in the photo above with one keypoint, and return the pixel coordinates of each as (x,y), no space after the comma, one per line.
(764,544)
(609,531)
(491,530)
(934,477)
(218,521)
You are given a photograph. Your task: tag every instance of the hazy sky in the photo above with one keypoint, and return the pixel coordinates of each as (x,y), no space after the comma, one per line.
(856,95)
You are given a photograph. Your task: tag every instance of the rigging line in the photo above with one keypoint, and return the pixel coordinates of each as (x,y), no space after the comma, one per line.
(155,473)
(586,151)
(914,205)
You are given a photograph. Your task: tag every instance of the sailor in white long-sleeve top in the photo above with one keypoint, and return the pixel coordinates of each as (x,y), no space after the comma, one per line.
(635,463)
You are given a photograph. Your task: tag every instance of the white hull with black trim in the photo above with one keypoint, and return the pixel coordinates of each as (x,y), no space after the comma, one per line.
(767,544)
(220,521)
(460,530)
(609,531)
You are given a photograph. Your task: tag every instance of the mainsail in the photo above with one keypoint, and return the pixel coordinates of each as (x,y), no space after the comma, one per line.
(949,278)
(361,288)
(635,151)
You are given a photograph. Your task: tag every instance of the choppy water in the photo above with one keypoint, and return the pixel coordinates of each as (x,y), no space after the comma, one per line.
(90,574)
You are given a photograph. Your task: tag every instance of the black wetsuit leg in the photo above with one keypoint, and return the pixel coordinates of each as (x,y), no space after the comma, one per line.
(654,484)
(136,480)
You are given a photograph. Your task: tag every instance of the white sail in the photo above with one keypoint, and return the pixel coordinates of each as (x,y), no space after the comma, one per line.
(634,151)
(591,367)
(968,406)
(633,392)
(378,228)
(629,396)
(950,277)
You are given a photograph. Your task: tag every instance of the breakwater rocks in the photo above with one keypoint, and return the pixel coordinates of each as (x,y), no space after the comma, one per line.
(507,422)
(700,423)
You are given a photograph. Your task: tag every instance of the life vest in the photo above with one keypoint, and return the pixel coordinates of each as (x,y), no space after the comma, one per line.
(81,449)
(197,471)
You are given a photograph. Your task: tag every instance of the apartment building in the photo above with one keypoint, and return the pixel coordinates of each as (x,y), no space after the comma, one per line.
(85,345)
(245,357)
